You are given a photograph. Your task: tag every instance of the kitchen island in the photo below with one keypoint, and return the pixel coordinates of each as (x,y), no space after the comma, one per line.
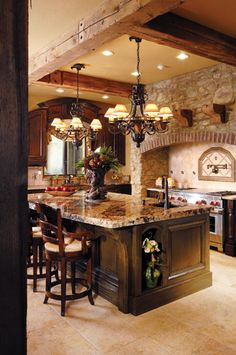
(120,224)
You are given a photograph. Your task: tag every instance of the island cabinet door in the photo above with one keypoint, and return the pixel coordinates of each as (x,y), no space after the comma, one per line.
(187,249)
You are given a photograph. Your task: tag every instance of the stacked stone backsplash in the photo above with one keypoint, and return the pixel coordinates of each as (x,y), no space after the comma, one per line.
(193,91)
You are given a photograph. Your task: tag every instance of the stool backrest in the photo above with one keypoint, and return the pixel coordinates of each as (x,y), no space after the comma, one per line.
(51,224)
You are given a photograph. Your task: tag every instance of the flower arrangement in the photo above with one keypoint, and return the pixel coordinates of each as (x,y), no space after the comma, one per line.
(101,158)
(97,164)
(152,272)
(150,246)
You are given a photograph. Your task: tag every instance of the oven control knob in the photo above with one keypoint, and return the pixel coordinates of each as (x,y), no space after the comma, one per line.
(197,202)
(184,200)
(172,198)
(212,203)
(203,202)
(179,198)
(217,203)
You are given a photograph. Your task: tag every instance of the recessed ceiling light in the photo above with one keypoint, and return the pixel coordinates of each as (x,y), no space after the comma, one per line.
(135,73)
(182,56)
(60,90)
(105,97)
(161,66)
(107,53)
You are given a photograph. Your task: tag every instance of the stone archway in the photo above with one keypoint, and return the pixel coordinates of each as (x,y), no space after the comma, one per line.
(179,137)
(151,160)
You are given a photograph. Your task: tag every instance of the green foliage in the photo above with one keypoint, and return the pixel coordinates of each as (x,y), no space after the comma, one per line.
(101,158)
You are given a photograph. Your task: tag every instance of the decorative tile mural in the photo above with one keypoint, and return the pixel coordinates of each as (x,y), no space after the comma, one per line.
(216,164)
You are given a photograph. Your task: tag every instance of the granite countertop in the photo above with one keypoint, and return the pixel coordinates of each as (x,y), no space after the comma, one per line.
(229,197)
(190,190)
(117,211)
(42,187)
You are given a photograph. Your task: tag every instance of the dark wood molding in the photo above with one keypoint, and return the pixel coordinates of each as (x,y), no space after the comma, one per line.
(13,175)
(177,32)
(86,83)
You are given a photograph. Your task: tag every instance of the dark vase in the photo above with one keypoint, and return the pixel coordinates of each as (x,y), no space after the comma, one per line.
(95,179)
(152,273)
(151,283)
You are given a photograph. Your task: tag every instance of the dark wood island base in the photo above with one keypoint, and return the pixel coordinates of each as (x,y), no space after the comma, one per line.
(120,225)
(118,266)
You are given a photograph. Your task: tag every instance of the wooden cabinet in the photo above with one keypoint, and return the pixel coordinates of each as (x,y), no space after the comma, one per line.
(229,226)
(119,188)
(41,118)
(116,141)
(37,137)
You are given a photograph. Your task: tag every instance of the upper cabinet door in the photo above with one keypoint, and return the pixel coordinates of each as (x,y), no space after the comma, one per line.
(37,137)
(106,138)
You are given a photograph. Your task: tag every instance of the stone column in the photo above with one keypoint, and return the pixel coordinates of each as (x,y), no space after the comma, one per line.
(146,167)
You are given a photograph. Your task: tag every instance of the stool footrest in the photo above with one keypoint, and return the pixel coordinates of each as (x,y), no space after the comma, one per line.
(75,296)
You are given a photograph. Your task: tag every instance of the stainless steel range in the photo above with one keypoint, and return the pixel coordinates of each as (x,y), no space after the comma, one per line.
(217,215)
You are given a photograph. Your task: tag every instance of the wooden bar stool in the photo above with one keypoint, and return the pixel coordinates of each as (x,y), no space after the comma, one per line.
(65,248)
(35,258)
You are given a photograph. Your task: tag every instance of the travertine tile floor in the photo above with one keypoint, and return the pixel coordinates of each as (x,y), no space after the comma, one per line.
(202,323)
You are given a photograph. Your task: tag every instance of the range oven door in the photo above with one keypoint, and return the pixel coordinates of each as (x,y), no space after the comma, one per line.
(216,229)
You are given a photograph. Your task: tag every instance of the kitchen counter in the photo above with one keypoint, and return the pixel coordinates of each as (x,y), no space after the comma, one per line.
(229,197)
(112,187)
(120,225)
(186,190)
(117,211)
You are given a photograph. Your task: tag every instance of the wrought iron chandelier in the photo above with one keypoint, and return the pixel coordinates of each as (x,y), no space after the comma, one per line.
(141,119)
(75,131)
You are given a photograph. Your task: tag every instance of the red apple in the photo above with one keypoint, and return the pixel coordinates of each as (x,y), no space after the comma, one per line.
(57,188)
(48,188)
(65,189)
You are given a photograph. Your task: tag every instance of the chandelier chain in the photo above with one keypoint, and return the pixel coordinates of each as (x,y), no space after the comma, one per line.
(138,62)
(77,94)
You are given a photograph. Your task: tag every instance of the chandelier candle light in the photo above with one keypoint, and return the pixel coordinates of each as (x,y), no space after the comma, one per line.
(75,131)
(141,119)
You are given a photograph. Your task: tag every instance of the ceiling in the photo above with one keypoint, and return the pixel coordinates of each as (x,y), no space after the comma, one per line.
(120,66)
(217,14)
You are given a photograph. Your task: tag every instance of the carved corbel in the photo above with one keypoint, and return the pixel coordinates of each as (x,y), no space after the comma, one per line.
(184,117)
(217,113)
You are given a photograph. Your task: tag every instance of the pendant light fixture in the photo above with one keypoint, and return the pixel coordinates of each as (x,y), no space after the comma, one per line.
(141,119)
(75,131)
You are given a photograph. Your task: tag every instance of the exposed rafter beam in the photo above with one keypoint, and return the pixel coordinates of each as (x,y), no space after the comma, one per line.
(86,83)
(107,22)
(175,31)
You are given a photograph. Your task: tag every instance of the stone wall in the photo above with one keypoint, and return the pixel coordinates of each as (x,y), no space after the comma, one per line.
(145,168)
(194,91)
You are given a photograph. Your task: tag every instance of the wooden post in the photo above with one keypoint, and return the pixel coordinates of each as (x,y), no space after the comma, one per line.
(13,175)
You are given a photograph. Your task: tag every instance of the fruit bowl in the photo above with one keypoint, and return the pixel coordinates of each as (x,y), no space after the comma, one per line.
(61,193)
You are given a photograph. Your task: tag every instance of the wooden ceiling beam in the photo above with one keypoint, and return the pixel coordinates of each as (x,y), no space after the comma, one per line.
(109,21)
(86,83)
(177,32)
